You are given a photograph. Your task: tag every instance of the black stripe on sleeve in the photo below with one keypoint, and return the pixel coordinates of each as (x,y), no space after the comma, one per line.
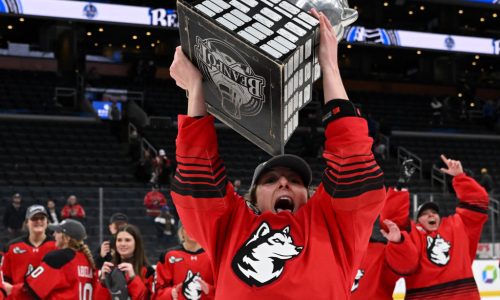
(472,207)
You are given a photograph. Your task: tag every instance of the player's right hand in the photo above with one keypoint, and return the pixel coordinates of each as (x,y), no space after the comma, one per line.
(106,269)
(175,291)
(105,248)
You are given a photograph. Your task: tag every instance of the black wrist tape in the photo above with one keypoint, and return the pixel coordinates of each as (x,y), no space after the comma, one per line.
(339,108)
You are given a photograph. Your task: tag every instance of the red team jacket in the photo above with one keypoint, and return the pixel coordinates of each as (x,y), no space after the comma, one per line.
(63,274)
(139,288)
(154,201)
(21,257)
(378,273)
(316,251)
(444,261)
(178,265)
(73,211)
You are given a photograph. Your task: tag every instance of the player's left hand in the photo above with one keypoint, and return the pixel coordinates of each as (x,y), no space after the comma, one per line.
(454,167)
(8,287)
(328,43)
(204,286)
(394,234)
(127,268)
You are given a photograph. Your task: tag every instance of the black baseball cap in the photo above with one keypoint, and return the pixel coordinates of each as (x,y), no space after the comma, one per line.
(35,209)
(118,217)
(427,205)
(290,161)
(71,228)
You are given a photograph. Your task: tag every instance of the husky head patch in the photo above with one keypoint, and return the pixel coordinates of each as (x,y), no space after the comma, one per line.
(438,250)
(358,277)
(191,287)
(261,260)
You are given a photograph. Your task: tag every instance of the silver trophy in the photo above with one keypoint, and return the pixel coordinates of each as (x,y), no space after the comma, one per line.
(337,11)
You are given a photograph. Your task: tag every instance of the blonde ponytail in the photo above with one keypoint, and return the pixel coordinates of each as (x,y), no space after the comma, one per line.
(80,246)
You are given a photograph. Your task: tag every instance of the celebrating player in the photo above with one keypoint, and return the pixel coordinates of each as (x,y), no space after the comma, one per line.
(66,273)
(130,259)
(446,245)
(184,272)
(24,254)
(290,247)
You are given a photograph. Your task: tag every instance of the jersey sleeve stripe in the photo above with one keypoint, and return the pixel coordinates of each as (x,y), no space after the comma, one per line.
(473,207)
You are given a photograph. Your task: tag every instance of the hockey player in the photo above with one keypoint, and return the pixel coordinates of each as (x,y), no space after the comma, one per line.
(184,271)
(130,259)
(378,273)
(446,245)
(66,273)
(294,247)
(24,254)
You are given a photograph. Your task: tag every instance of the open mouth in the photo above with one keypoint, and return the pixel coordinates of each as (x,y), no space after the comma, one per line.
(432,222)
(284,204)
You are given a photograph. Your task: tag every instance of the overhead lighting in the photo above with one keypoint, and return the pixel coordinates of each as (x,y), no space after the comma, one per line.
(101,29)
(153,44)
(110,45)
(472,104)
(389,57)
(134,37)
(410,12)
(124,46)
(148,33)
(494,15)
(96,44)
(422,7)
(138,47)
(459,95)
(474,63)
(482,19)
(386,4)
(21,19)
(419,52)
(89,33)
(157,41)
(476,57)
(349,46)
(10,27)
(460,12)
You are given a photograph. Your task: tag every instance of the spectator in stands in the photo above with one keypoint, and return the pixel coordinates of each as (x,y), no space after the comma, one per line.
(290,245)
(165,224)
(154,201)
(162,168)
(380,150)
(446,245)
(73,210)
(182,264)
(237,187)
(53,213)
(437,111)
(14,215)
(144,170)
(114,112)
(128,273)
(108,247)
(487,181)
(25,253)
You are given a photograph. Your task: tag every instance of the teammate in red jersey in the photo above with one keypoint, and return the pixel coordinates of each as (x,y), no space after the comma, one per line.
(129,258)
(24,254)
(293,246)
(378,273)
(184,272)
(446,245)
(66,273)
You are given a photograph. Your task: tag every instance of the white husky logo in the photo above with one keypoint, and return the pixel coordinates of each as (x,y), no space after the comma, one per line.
(358,277)
(191,287)
(438,250)
(262,259)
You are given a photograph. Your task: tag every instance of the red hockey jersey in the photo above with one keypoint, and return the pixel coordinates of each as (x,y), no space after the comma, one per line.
(315,251)
(139,288)
(21,257)
(376,277)
(63,274)
(180,266)
(444,260)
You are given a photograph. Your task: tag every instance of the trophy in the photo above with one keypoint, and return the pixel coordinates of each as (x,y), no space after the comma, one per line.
(258,60)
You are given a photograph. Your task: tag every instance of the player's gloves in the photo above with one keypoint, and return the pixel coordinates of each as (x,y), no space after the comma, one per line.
(405,172)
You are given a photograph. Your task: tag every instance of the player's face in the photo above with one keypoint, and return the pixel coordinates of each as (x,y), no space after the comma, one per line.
(125,244)
(429,219)
(61,240)
(37,224)
(280,189)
